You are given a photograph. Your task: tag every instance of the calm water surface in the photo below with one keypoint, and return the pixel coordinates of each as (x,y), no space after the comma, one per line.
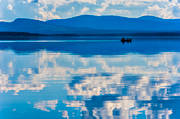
(90,80)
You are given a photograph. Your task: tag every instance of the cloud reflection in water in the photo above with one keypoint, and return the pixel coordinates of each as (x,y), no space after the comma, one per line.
(121,86)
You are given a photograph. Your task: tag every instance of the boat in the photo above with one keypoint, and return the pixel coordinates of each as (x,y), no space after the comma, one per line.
(128,40)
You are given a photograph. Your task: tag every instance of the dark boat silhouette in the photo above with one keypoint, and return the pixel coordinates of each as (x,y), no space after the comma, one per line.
(128,40)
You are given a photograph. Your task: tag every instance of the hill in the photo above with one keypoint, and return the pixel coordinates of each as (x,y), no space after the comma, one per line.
(93,25)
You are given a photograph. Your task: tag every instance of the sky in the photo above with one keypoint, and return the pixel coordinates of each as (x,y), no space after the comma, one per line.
(59,9)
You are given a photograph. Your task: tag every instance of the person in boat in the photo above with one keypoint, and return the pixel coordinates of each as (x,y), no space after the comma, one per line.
(123,40)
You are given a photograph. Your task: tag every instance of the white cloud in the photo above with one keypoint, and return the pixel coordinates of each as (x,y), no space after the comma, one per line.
(47,15)
(10,7)
(104,6)
(160,8)
(164,9)
(156,10)
(46,106)
(51,14)
(53,9)
(84,10)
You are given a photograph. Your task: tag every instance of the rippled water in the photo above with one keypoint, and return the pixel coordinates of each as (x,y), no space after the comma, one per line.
(98,79)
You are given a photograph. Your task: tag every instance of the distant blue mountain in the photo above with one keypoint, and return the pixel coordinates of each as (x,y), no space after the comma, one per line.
(150,18)
(89,24)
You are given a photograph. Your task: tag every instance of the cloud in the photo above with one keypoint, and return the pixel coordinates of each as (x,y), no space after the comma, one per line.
(163,12)
(176,11)
(10,7)
(133,8)
(46,106)
(104,6)
(164,9)
(46,15)
(84,10)
(56,9)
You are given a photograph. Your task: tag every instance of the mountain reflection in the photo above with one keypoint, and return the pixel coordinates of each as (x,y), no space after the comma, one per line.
(65,83)
(96,47)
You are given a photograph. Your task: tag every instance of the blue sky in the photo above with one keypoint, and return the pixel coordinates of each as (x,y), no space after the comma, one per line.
(54,9)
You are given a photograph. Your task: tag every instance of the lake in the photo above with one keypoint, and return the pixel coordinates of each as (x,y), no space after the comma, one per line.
(90,79)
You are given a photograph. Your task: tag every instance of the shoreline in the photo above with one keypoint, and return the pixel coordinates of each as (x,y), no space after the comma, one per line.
(92,34)
(18,36)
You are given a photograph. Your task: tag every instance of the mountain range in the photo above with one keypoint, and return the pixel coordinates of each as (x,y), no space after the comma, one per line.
(92,25)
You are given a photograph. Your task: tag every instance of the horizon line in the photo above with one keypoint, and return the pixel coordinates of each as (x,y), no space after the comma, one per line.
(88,15)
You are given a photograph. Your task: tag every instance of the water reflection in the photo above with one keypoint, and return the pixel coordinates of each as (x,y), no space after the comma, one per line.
(62,82)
